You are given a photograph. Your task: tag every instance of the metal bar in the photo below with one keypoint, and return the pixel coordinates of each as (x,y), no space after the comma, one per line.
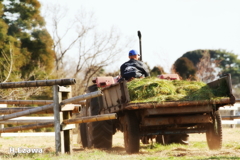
(178,110)
(91,119)
(83,102)
(19,109)
(82,97)
(140,44)
(185,119)
(133,106)
(27,127)
(32,102)
(38,83)
(180,131)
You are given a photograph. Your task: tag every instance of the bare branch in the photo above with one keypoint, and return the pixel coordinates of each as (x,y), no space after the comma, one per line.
(96,49)
(205,68)
(9,60)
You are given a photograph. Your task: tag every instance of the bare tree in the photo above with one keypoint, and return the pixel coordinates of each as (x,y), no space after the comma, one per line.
(66,32)
(95,48)
(93,57)
(205,68)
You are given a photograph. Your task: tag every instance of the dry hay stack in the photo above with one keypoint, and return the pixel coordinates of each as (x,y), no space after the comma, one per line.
(157,90)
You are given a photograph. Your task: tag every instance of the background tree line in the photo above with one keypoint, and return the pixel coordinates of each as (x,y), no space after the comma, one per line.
(26,46)
(207,65)
(29,52)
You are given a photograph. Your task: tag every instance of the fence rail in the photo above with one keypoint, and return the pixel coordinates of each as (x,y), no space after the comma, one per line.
(24,134)
(26,102)
(232,122)
(233,117)
(67,121)
(237,100)
(38,83)
(28,120)
(61,106)
(19,109)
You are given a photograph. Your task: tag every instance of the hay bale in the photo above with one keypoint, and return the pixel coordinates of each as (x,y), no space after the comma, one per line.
(153,89)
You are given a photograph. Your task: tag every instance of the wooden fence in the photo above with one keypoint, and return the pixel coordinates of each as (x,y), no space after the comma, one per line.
(61,106)
(231,114)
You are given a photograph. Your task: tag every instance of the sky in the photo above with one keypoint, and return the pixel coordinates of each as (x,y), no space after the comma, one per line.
(169,28)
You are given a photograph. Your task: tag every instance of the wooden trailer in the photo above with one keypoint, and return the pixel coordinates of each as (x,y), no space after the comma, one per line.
(168,122)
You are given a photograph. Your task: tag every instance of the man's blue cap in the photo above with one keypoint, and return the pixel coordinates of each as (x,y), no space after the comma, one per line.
(133,53)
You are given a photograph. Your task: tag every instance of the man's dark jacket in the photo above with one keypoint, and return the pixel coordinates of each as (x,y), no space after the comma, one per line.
(134,69)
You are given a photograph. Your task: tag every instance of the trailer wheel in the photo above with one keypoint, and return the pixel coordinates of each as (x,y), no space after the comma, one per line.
(131,133)
(214,132)
(100,133)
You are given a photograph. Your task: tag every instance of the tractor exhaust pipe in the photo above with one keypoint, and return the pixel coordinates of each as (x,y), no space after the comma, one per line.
(140,44)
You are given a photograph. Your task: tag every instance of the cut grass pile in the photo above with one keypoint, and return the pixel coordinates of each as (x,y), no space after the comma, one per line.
(157,90)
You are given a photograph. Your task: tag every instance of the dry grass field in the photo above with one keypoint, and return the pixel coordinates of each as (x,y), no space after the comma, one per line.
(197,148)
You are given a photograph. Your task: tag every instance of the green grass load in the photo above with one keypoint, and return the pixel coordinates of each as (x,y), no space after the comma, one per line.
(157,90)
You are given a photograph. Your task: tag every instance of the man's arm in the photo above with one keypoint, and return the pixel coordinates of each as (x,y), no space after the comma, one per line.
(144,69)
(147,73)
(121,70)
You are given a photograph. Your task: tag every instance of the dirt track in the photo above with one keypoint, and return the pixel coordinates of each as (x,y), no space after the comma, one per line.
(231,140)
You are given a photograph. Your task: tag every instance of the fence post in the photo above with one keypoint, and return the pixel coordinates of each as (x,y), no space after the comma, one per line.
(2,125)
(57,122)
(63,133)
(66,114)
(232,113)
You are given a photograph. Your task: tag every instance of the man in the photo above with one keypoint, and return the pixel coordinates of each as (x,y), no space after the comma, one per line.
(134,68)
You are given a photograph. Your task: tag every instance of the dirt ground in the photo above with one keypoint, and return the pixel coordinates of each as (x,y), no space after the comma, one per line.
(231,145)
(231,139)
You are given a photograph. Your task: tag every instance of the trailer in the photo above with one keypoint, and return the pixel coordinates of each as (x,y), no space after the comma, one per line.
(167,122)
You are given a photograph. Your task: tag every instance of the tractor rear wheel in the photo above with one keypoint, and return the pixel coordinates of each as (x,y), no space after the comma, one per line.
(131,133)
(83,134)
(100,133)
(214,132)
(83,129)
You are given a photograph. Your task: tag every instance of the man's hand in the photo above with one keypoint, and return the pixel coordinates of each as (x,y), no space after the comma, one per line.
(131,79)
